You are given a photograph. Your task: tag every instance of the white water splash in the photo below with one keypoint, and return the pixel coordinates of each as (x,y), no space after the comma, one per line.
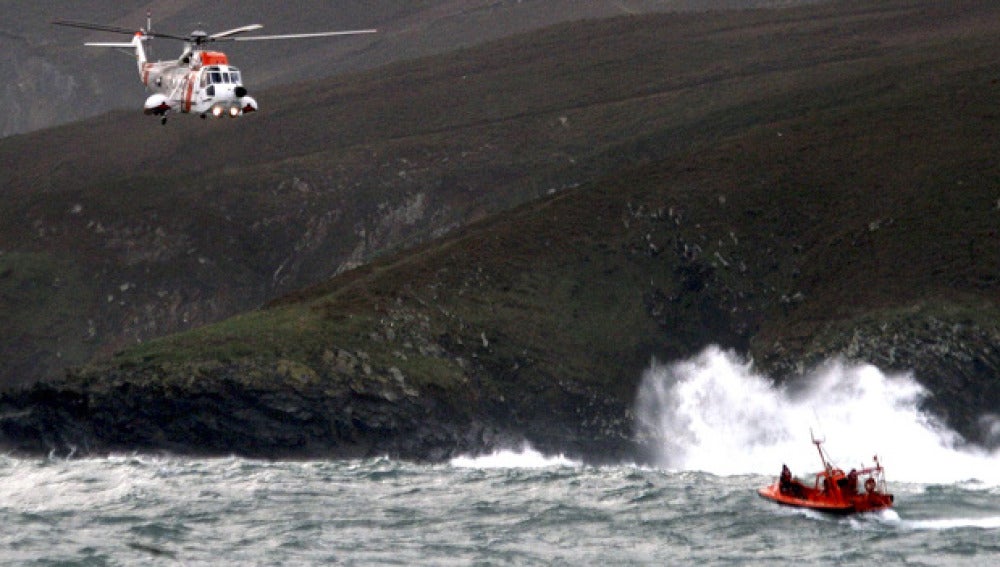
(525,458)
(713,413)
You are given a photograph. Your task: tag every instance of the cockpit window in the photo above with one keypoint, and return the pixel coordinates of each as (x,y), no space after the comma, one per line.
(216,76)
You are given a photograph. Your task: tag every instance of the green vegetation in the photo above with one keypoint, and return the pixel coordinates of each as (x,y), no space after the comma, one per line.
(43,298)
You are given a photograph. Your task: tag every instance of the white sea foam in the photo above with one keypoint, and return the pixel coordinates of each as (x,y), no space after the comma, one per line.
(524,458)
(986,523)
(713,413)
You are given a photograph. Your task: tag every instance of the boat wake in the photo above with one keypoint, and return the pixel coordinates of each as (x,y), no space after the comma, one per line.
(712,413)
(891,519)
(940,524)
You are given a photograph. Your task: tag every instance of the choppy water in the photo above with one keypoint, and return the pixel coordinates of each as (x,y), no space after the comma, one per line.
(729,433)
(172,511)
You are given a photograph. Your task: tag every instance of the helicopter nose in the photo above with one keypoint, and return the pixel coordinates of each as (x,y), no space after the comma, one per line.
(240,92)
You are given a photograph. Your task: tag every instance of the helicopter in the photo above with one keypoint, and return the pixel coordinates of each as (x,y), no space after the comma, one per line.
(200,81)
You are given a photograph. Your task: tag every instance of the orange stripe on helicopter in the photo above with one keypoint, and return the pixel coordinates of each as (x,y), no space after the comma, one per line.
(190,92)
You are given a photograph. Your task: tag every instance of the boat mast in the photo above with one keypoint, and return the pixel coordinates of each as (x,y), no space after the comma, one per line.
(819,449)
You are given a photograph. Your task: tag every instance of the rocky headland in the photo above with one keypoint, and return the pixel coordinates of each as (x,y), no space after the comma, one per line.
(421,280)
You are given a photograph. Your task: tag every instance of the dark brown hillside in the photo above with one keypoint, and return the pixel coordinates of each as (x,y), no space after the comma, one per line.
(794,184)
(178,226)
(52,79)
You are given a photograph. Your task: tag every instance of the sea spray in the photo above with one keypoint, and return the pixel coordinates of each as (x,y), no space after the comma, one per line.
(713,413)
(526,457)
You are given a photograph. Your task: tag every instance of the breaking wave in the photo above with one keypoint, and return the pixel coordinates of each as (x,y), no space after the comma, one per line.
(525,458)
(713,413)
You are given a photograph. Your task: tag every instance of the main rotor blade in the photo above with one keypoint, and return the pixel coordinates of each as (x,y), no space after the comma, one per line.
(235,31)
(113,29)
(300,35)
(90,26)
(226,35)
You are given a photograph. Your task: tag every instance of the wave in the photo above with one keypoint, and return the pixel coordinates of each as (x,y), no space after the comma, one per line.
(713,413)
(524,458)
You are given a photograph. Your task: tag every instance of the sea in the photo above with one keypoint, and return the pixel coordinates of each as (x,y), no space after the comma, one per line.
(726,432)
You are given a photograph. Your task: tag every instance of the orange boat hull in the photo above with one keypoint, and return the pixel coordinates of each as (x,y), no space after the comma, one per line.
(833,502)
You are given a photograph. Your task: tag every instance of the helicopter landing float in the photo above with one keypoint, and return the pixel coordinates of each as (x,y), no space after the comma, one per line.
(199,82)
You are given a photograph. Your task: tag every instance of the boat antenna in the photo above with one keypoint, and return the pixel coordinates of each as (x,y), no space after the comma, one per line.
(819,449)
(880,474)
(817,442)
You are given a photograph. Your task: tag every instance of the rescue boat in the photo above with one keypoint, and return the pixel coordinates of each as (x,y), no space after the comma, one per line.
(832,491)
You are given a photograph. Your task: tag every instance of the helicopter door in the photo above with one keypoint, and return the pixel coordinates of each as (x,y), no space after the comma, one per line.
(207,88)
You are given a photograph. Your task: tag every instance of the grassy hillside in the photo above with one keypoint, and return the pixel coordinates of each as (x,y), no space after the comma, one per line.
(179,226)
(794,184)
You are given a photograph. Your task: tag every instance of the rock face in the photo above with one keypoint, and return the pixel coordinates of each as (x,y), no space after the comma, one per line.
(291,412)
(459,279)
(351,406)
(218,414)
(954,353)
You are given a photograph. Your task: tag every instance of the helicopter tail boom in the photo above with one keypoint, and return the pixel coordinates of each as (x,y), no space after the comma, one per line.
(136,43)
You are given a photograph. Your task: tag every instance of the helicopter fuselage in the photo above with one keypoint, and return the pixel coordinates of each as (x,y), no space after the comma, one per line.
(201,82)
